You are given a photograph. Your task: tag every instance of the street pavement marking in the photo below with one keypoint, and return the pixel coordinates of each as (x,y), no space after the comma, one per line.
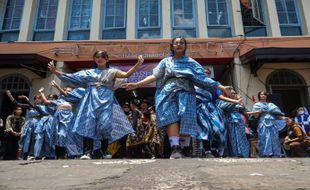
(125,162)
(251,160)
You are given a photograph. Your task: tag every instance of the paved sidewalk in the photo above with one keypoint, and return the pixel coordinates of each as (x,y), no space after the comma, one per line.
(213,174)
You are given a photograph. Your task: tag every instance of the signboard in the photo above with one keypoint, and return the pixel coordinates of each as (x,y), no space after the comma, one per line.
(143,71)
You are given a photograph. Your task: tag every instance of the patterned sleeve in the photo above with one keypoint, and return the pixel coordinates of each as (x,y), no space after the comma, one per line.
(159,70)
(202,80)
(75,95)
(275,110)
(218,93)
(257,107)
(193,70)
(226,106)
(80,78)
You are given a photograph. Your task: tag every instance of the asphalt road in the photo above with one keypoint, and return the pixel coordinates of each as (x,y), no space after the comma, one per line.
(213,174)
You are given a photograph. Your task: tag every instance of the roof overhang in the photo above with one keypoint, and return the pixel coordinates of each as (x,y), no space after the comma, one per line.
(259,56)
(32,62)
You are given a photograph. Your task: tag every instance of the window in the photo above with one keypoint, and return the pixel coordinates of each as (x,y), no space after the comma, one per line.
(114,22)
(218,18)
(253,18)
(148,19)
(45,20)
(80,18)
(11,20)
(288,18)
(183,18)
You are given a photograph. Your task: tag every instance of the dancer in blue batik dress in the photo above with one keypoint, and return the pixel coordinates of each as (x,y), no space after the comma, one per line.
(27,138)
(94,118)
(211,120)
(74,141)
(238,145)
(268,135)
(175,98)
(45,131)
(61,121)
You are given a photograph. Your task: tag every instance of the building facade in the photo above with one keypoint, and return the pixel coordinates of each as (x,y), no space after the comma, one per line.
(251,44)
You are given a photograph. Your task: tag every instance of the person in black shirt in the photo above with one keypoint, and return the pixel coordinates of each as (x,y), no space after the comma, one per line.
(14,124)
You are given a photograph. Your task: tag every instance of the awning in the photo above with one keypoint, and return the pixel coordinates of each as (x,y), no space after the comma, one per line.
(33,62)
(259,56)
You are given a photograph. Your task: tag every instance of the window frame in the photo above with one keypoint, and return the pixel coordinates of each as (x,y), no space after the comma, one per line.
(138,16)
(194,17)
(3,15)
(104,16)
(159,27)
(35,30)
(70,15)
(219,25)
(286,14)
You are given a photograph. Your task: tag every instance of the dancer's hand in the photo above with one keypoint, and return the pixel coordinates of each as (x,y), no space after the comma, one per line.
(140,60)
(51,66)
(130,86)
(53,83)
(41,90)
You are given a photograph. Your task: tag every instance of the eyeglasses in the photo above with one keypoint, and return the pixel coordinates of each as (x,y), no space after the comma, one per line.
(178,43)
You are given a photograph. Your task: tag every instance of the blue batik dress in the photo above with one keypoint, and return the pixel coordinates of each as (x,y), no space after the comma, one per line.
(27,138)
(238,145)
(268,134)
(62,119)
(74,141)
(210,117)
(44,134)
(175,98)
(94,113)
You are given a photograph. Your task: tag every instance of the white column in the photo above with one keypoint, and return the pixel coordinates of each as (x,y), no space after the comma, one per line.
(27,21)
(237,17)
(202,19)
(305,9)
(95,29)
(61,20)
(166,18)
(274,26)
(131,20)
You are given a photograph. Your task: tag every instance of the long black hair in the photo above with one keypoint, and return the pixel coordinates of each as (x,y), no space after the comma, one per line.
(262,92)
(171,45)
(103,54)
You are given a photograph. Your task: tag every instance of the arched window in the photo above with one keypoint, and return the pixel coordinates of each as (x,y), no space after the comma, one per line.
(287,89)
(285,78)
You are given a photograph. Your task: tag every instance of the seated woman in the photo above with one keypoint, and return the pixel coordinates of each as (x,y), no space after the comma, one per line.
(296,141)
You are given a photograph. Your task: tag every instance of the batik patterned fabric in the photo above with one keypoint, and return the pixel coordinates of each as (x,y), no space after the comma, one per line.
(62,121)
(210,118)
(175,98)
(74,142)
(238,144)
(268,135)
(27,138)
(94,113)
(45,133)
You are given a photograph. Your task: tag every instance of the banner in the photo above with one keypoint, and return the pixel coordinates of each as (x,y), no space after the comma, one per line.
(144,70)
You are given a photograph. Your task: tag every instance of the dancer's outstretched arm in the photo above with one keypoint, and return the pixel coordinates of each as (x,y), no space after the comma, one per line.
(147,80)
(52,68)
(122,74)
(44,99)
(55,85)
